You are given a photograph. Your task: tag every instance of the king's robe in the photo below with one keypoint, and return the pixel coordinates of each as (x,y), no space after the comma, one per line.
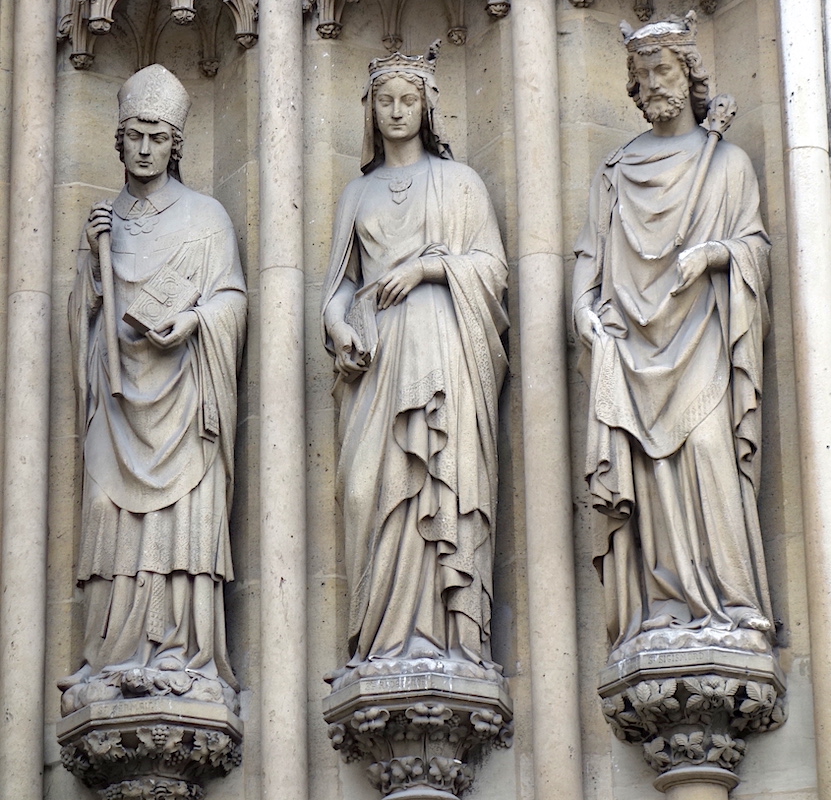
(675,388)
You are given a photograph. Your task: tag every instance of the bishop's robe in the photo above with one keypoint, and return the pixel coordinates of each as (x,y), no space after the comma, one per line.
(158,461)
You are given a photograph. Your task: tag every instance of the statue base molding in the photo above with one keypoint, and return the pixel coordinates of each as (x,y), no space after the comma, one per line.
(690,710)
(150,748)
(419,729)
(696,783)
(421,793)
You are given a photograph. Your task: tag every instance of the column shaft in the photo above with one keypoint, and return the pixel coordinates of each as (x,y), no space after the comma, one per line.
(548,506)
(282,419)
(26,457)
(808,200)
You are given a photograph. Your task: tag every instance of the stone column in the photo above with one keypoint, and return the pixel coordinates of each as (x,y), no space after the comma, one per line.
(24,532)
(543,324)
(804,109)
(282,420)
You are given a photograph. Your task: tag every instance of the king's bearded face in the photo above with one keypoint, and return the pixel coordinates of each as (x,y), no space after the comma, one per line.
(664,84)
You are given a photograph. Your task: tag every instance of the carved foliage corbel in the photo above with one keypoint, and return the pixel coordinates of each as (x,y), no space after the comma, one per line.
(426,744)
(694,720)
(498,8)
(457,33)
(182,12)
(246,14)
(74,27)
(101,16)
(643,9)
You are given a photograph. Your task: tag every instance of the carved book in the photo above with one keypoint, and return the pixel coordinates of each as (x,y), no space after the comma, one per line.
(164,296)
(361,317)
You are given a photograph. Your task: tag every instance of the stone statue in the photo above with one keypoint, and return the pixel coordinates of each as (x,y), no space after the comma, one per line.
(157,321)
(412,313)
(669,297)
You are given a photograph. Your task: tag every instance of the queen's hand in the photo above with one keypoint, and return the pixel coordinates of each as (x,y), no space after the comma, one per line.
(399,282)
(350,357)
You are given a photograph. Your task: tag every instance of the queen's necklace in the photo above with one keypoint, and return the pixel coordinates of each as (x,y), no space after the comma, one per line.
(399,187)
(400,179)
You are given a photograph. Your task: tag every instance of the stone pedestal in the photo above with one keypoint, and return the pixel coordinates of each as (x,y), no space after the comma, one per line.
(419,722)
(690,710)
(150,748)
(696,783)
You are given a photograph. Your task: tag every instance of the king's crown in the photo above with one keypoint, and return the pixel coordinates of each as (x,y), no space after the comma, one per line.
(672,31)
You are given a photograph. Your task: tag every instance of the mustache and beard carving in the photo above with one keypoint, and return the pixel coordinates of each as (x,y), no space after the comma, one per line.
(671,107)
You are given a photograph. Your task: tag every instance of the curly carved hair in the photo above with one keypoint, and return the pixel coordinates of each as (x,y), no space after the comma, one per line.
(175,153)
(693,66)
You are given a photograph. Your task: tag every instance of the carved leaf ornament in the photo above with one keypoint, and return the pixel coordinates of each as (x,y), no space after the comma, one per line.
(717,709)
(444,737)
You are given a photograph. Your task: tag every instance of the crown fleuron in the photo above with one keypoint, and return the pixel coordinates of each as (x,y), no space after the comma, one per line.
(152,94)
(672,31)
(422,65)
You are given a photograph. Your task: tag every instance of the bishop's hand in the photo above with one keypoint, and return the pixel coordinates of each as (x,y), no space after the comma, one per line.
(100,221)
(182,326)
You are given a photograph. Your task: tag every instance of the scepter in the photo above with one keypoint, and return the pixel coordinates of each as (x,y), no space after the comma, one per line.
(108,292)
(720,115)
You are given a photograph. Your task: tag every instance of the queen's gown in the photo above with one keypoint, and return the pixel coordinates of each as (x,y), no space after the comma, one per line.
(417,474)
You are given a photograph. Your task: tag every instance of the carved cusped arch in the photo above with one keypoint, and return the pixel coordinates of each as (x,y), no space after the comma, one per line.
(330,18)
(82,22)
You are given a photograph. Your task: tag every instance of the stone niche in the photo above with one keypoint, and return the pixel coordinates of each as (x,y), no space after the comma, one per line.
(420,727)
(153,743)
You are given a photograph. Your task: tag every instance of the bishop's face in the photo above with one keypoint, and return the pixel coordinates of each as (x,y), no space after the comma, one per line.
(664,85)
(398,110)
(147,148)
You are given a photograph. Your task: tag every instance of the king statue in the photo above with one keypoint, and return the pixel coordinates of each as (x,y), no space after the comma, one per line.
(669,300)
(157,322)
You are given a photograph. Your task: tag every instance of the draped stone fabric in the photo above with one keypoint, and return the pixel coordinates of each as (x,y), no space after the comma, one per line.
(675,388)
(417,475)
(158,461)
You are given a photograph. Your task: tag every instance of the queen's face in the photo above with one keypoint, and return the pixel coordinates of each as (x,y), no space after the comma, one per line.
(398,110)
